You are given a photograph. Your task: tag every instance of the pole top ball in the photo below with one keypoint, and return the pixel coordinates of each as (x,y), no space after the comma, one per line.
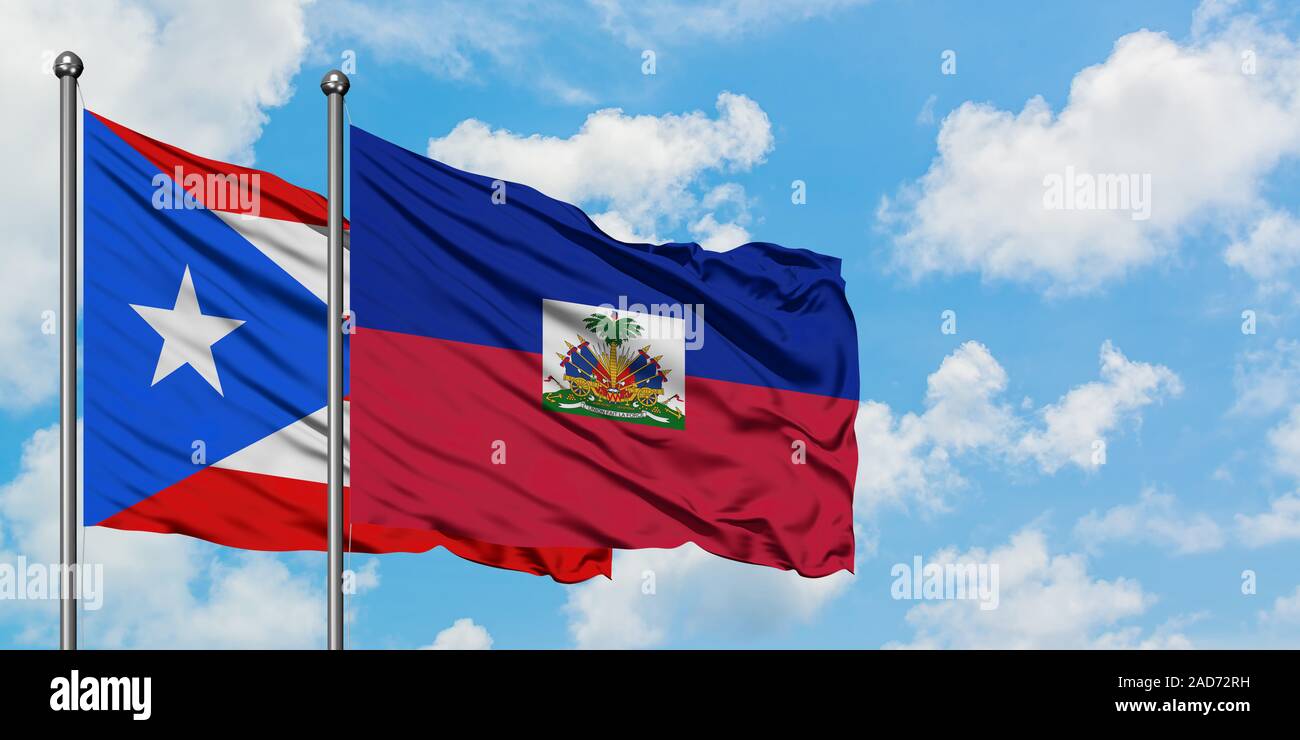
(68,64)
(333,82)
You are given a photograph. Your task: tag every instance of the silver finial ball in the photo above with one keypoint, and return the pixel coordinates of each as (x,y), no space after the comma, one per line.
(335,81)
(68,64)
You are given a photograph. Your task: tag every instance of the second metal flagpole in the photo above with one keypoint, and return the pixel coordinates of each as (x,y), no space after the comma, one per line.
(335,85)
(67,67)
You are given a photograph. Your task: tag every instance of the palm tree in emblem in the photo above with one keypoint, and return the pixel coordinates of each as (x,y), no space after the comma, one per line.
(613,331)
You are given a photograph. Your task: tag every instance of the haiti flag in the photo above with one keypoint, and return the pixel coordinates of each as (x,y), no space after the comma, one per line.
(205,360)
(520,376)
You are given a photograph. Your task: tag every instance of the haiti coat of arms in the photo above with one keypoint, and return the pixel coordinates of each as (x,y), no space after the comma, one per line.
(609,368)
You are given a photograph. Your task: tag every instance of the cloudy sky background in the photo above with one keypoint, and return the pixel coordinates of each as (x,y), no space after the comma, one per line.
(1072,327)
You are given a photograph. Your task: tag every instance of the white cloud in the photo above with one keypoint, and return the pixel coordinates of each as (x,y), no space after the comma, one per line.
(460,39)
(960,409)
(158,590)
(663,595)
(463,634)
(1284,439)
(1166,636)
(729,200)
(898,464)
(618,227)
(1186,114)
(1154,519)
(252,601)
(925,117)
(446,37)
(905,461)
(365,578)
(1285,611)
(909,459)
(1090,412)
(1268,251)
(566,92)
(164,86)
(1211,14)
(639,23)
(640,169)
(1045,601)
(1279,524)
(718,237)
(1267,381)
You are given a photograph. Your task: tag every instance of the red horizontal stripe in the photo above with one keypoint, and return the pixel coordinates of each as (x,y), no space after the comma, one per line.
(277,198)
(429,414)
(263,512)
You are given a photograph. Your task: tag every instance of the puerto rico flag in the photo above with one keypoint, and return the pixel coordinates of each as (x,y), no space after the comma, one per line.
(205,360)
(520,376)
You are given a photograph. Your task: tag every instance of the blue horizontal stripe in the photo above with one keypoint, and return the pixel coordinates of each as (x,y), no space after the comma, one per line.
(432,255)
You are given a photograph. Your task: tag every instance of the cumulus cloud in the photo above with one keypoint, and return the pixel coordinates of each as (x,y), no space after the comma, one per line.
(449,38)
(898,464)
(640,23)
(463,39)
(1269,250)
(960,409)
(463,634)
(1279,524)
(1090,412)
(1285,610)
(925,117)
(1166,636)
(158,590)
(641,170)
(910,458)
(251,601)
(729,203)
(1045,601)
(1202,122)
(1267,381)
(663,595)
(1155,519)
(164,86)
(1284,440)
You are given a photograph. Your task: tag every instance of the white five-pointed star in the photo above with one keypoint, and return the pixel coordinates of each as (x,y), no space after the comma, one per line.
(188,334)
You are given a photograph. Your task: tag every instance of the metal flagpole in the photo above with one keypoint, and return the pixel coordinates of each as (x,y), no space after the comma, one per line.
(67,67)
(335,85)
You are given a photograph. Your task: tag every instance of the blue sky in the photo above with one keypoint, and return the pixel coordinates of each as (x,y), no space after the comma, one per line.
(976,445)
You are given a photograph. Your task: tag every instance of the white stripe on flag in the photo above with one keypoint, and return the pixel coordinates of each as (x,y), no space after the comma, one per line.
(298,249)
(297,451)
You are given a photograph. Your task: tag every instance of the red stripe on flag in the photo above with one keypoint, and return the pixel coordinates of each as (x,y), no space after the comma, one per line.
(264,512)
(429,415)
(277,198)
